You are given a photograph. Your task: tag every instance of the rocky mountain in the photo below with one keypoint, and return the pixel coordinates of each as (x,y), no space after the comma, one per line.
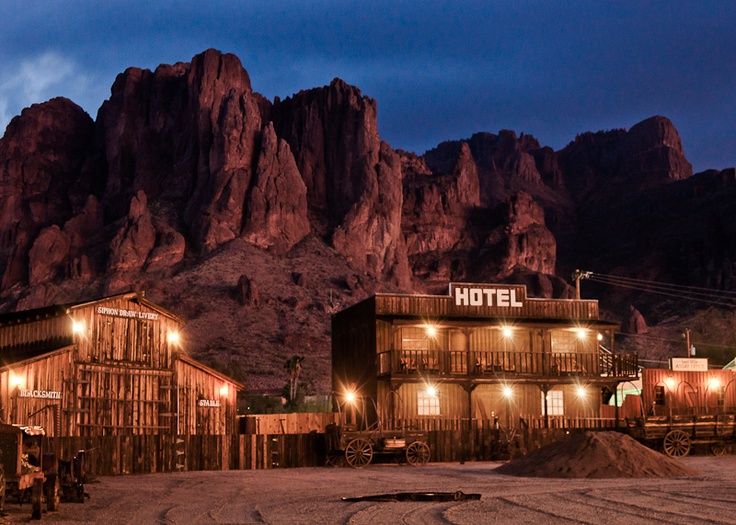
(257,219)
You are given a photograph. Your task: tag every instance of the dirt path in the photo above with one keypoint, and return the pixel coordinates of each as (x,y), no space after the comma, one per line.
(313,496)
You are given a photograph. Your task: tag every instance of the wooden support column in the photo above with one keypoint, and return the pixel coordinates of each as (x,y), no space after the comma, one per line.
(467,426)
(544,387)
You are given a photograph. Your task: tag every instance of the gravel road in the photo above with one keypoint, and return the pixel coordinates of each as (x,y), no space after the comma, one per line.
(312,495)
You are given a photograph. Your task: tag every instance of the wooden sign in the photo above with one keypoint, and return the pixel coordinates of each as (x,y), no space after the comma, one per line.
(121,312)
(487,295)
(39,394)
(209,403)
(689,364)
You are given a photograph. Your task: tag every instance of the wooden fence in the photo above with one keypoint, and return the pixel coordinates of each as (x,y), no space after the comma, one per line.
(114,455)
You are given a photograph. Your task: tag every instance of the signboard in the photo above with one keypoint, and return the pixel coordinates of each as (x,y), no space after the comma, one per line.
(121,312)
(480,295)
(209,403)
(689,364)
(39,394)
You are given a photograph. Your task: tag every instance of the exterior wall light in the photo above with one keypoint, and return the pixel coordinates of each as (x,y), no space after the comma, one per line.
(599,337)
(77,327)
(670,383)
(16,381)
(173,337)
(224,391)
(431,391)
(507,392)
(507,332)
(714,383)
(581,392)
(430,330)
(349,397)
(582,333)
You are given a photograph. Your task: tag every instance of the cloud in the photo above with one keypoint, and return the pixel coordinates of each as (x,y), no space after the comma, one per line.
(37,79)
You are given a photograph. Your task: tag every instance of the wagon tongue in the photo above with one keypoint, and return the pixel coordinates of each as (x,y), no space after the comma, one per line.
(416,496)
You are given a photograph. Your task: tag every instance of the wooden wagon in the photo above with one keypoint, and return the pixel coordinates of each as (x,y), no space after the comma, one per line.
(677,435)
(357,448)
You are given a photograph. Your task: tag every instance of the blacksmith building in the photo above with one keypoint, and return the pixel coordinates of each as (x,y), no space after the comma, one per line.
(117,365)
(483,352)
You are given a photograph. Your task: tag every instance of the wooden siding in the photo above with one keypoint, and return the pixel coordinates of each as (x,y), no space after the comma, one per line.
(52,373)
(354,340)
(193,384)
(440,306)
(688,392)
(125,341)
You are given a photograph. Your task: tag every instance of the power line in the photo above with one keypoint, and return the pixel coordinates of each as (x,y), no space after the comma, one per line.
(667,293)
(663,284)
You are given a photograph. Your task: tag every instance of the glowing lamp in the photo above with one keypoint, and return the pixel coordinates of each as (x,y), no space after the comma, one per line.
(670,383)
(431,391)
(582,333)
(430,330)
(16,381)
(599,337)
(224,391)
(714,383)
(581,392)
(350,397)
(507,332)
(507,392)
(77,327)
(173,337)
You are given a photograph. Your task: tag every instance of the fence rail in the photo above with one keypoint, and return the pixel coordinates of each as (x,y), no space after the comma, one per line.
(492,363)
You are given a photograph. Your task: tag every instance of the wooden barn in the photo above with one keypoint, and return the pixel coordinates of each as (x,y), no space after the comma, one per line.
(482,353)
(113,366)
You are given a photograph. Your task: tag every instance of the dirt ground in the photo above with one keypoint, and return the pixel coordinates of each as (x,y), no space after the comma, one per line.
(312,495)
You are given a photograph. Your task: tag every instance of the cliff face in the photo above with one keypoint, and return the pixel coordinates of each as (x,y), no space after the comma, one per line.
(189,184)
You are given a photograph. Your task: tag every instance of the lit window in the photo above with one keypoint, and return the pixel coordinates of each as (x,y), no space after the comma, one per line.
(555,405)
(427,404)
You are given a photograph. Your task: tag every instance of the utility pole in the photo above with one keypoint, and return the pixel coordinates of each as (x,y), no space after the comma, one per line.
(577,276)
(686,335)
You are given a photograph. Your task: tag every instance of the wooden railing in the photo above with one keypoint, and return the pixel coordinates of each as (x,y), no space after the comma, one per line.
(491,363)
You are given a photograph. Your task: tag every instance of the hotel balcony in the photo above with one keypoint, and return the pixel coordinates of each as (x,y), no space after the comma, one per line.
(489,365)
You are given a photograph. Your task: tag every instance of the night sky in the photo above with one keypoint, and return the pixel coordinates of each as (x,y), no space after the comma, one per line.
(439,70)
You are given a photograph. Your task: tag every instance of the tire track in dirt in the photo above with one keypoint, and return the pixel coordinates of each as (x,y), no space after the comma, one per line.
(655,507)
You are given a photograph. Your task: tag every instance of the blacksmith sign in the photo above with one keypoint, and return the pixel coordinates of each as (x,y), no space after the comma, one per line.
(39,394)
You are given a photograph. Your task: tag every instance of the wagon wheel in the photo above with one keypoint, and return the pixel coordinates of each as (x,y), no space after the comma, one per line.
(676,443)
(36,497)
(358,453)
(718,449)
(53,493)
(417,454)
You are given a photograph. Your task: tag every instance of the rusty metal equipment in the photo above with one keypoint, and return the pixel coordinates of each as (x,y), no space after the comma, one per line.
(28,473)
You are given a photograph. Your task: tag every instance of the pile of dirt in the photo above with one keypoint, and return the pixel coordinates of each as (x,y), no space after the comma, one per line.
(596,455)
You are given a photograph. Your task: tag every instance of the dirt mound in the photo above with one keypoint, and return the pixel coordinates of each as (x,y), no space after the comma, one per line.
(596,455)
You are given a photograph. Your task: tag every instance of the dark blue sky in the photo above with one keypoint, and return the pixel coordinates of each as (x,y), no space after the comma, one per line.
(439,70)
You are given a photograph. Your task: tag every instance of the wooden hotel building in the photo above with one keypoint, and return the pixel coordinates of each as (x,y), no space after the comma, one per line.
(485,353)
(117,365)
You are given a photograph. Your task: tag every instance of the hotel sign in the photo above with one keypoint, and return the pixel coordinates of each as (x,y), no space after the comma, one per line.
(689,364)
(121,312)
(39,394)
(209,403)
(480,295)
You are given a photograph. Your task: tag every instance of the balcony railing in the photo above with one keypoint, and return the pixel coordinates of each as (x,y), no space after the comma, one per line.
(523,364)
